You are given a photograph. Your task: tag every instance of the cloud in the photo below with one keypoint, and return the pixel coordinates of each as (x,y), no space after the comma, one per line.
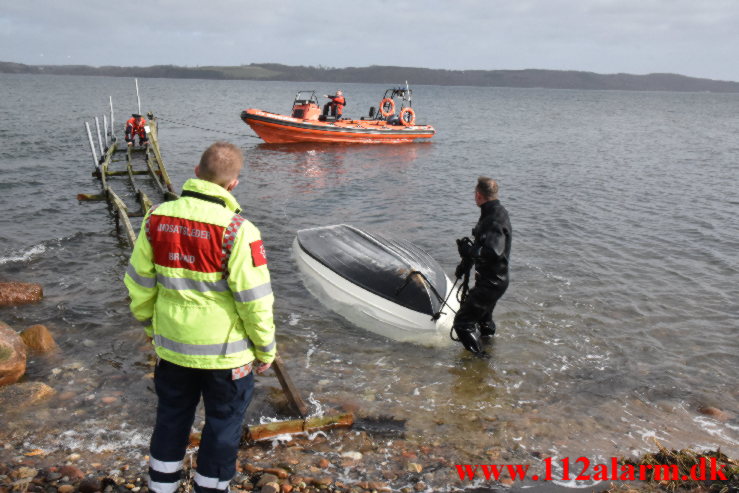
(636,36)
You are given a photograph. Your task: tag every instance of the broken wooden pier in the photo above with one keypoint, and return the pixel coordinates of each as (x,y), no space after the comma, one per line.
(138,161)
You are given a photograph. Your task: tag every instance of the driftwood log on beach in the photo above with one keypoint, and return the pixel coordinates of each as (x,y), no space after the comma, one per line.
(308,425)
(19,293)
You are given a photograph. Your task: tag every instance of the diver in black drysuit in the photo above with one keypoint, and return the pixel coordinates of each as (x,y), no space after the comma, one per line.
(489,252)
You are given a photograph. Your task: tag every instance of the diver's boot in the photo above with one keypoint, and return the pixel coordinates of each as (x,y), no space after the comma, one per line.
(487,331)
(469,338)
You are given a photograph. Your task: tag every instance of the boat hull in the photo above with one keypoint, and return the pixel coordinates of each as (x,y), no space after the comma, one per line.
(281,129)
(370,308)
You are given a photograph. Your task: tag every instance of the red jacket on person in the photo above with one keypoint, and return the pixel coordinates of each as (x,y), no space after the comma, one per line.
(134,128)
(338,102)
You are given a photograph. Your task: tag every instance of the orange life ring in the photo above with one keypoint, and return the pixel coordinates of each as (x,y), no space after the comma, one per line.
(387,102)
(411,121)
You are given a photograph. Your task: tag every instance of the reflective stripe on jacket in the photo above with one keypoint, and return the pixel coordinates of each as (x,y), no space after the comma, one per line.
(199,273)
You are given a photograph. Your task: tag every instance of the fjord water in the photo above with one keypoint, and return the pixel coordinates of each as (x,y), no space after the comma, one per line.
(620,324)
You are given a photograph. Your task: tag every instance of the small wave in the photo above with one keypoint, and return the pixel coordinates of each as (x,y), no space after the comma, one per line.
(24,256)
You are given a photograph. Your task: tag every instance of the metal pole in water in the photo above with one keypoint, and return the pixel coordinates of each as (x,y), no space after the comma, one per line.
(92,146)
(100,139)
(105,126)
(138,98)
(112,127)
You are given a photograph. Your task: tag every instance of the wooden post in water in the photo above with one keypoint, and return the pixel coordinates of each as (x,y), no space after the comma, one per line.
(105,127)
(291,392)
(100,139)
(153,134)
(112,126)
(92,145)
(138,98)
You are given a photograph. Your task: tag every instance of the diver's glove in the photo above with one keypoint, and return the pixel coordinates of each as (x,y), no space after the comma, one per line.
(465,247)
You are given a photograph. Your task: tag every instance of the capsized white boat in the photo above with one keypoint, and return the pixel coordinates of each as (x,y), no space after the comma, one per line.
(390,287)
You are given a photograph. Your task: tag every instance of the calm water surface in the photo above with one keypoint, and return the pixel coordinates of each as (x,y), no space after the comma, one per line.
(619,326)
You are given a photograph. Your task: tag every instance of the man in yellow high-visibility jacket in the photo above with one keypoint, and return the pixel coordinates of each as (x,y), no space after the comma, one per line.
(198,278)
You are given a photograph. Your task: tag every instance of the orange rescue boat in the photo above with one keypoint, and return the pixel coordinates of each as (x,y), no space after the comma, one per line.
(306,123)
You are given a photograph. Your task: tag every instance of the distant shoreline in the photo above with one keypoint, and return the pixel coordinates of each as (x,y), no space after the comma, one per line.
(529,78)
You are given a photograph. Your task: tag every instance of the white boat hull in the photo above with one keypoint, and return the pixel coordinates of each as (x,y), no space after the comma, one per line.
(370,311)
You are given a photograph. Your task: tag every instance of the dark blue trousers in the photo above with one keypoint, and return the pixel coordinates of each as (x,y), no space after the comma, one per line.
(225,400)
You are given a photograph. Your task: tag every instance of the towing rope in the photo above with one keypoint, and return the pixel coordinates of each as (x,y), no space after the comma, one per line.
(206,129)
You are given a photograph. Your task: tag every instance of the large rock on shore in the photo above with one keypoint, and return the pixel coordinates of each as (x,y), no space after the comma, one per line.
(23,394)
(12,356)
(19,293)
(39,338)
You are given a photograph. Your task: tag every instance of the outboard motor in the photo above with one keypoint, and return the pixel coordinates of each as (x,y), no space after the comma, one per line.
(372,112)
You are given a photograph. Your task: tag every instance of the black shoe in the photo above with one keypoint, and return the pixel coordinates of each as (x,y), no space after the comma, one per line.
(487,332)
(469,338)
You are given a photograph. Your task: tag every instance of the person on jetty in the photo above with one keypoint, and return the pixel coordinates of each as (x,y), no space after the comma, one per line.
(136,126)
(489,252)
(198,276)
(336,105)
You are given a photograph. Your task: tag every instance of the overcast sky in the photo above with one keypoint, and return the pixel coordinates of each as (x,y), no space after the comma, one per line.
(698,38)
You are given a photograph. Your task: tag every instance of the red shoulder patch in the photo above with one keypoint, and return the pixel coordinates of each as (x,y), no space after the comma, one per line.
(258,254)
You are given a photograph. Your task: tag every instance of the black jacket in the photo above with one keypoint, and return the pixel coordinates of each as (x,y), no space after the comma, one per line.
(492,241)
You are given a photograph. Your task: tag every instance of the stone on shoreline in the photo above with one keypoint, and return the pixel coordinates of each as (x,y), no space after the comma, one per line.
(23,394)
(39,338)
(714,412)
(19,293)
(12,356)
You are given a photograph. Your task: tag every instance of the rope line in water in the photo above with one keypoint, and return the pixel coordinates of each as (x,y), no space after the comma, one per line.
(206,129)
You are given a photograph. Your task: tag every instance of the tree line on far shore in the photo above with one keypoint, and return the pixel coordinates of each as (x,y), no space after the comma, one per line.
(551,79)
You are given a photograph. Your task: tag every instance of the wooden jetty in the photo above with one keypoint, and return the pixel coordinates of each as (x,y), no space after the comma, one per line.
(146,160)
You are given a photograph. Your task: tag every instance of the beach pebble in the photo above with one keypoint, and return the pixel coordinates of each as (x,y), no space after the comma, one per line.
(375,485)
(89,485)
(714,412)
(352,455)
(270,487)
(24,473)
(66,488)
(267,478)
(71,472)
(323,482)
(277,471)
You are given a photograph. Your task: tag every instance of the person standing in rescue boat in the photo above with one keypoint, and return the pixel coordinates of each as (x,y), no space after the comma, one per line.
(136,126)
(198,278)
(489,252)
(336,105)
